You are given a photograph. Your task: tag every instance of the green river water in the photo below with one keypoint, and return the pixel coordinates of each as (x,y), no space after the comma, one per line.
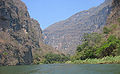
(62,69)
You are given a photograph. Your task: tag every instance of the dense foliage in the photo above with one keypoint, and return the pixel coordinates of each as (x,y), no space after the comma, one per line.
(51,58)
(96,46)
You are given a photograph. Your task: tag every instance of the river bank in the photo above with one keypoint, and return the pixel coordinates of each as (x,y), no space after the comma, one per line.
(105,60)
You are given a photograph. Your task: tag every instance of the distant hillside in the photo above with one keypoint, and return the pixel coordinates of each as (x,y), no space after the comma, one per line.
(66,35)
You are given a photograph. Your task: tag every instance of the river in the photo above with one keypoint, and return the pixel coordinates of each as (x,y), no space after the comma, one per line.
(62,69)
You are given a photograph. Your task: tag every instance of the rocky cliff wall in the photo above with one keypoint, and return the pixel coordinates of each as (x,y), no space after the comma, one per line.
(20,36)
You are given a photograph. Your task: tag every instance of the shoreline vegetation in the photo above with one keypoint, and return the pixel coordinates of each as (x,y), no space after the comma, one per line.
(105,60)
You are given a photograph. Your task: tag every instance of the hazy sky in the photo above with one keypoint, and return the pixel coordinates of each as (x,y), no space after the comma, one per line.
(47,12)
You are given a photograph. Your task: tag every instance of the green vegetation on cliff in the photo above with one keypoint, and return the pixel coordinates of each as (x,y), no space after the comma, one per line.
(96,46)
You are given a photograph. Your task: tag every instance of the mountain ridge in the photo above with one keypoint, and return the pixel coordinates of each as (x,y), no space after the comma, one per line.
(67,34)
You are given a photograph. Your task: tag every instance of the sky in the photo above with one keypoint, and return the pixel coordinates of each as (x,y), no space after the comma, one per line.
(48,12)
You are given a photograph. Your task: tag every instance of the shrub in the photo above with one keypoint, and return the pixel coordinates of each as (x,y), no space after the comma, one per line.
(39,49)
(119,20)
(51,58)
(114,26)
(112,44)
(106,30)
(5,53)
(81,47)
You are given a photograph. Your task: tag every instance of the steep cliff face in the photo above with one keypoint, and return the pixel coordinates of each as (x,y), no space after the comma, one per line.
(39,49)
(20,36)
(115,13)
(66,35)
(114,18)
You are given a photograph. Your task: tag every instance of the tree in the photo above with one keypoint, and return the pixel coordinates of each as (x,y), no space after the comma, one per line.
(51,58)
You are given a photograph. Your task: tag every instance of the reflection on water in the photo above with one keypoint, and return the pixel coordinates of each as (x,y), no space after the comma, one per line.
(62,69)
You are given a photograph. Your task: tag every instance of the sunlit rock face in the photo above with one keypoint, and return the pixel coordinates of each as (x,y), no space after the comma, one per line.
(114,18)
(66,35)
(20,35)
(115,12)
